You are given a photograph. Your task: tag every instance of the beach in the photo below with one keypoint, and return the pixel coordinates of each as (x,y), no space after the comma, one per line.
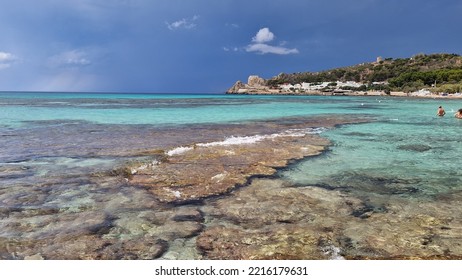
(228,177)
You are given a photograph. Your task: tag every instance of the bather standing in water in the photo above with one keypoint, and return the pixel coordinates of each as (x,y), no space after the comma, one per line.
(458,114)
(440,112)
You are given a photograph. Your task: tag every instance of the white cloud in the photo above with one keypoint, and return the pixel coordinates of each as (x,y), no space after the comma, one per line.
(73,58)
(226,49)
(264,49)
(259,44)
(5,56)
(185,23)
(264,35)
(6,59)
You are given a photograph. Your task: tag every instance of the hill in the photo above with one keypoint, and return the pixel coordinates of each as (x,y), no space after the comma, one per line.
(435,72)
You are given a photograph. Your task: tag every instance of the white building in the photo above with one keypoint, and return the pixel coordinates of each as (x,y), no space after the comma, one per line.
(318,86)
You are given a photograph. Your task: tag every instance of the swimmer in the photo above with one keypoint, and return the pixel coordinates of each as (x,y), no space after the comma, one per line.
(440,112)
(458,114)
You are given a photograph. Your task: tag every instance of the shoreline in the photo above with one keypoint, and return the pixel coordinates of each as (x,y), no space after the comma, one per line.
(344,93)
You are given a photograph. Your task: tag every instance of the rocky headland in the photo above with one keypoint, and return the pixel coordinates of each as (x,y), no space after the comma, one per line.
(430,76)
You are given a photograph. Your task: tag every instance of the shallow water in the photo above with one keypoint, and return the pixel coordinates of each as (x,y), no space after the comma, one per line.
(67,192)
(405,148)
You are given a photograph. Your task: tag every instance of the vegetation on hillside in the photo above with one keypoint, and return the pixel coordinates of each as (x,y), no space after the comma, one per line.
(438,72)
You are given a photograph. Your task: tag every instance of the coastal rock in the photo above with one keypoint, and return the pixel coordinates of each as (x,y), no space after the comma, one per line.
(236,88)
(254,84)
(256,81)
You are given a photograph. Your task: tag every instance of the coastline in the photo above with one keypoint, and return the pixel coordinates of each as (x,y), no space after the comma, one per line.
(348,93)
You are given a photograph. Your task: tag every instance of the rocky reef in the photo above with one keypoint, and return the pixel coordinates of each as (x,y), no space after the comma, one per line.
(151,204)
(213,192)
(271,219)
(200,170)
(203,170)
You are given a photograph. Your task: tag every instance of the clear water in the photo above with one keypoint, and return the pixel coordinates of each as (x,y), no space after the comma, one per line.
(407,146)
(404,140)
(56,150)
(19,108)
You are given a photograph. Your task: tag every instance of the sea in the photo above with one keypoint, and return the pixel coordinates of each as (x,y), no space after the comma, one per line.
(121,176)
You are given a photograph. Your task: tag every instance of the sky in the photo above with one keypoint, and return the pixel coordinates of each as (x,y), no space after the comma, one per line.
(204,46)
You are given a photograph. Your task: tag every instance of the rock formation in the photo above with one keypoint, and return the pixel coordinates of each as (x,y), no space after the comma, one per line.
(255,81)
(255,84)
(236,88)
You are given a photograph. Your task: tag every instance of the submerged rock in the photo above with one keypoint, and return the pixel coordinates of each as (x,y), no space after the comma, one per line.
(284,243)
(134,249)
(272,220)
(189,214)
(415,147)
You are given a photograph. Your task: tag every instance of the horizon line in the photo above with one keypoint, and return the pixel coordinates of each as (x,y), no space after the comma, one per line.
(106,92)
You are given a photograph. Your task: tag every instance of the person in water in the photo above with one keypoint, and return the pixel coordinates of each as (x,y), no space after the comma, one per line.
(440,112)
(458,114)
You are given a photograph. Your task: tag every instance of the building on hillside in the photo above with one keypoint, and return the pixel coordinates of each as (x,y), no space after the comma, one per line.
(318,86)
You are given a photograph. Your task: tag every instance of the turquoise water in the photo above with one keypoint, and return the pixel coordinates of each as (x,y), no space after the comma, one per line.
(407,150)
(59,154)
(405,137)
(18,109)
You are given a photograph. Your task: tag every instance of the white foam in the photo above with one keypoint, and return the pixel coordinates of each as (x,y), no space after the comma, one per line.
(178,151)
(236,140)
(242,140)
(239,140)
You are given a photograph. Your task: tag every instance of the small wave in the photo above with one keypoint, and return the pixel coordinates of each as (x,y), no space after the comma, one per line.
(178,150)
(241,140)
(236,140)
